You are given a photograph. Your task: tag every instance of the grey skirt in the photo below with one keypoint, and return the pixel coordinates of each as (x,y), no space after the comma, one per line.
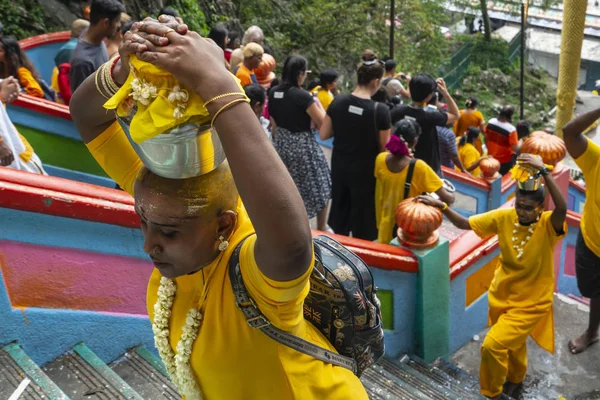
(307,165)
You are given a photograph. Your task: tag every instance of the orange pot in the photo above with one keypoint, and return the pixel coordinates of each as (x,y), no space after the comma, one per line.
(489,168)
(551,148)
(417,224)
(264,72)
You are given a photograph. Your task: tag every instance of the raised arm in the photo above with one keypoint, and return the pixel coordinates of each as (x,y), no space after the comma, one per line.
(575,140)
(453,111)
(457,220)
(284,246)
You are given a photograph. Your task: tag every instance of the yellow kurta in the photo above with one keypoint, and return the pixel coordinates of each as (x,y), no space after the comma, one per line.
(389,191)
(468,154)
(230,359)
(29,84)
(590,226)
(522,289)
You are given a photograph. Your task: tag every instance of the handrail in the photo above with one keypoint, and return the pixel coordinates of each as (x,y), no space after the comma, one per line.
(507,183)
(64,186)
(42,106)
(573,219)
(576,185)
(465,178)
(49,195)
(46,38)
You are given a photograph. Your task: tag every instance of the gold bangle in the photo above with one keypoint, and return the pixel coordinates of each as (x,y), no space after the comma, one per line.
(226,106)
(110,83)
(445,207)
(221,96)
(98,85)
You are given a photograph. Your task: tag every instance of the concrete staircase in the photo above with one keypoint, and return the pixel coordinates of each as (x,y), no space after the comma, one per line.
(140,375)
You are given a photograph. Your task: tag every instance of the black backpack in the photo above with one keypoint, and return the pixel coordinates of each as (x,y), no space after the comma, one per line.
(342,304)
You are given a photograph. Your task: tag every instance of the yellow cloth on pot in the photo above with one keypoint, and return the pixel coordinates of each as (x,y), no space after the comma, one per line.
(521,173)
(162,101)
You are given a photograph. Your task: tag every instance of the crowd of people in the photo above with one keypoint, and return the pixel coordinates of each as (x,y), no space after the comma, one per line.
(392,136)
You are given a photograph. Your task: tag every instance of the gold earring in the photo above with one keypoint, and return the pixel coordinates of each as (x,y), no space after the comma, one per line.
(224,243)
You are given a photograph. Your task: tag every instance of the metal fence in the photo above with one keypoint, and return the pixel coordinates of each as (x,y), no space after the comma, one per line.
(454,69)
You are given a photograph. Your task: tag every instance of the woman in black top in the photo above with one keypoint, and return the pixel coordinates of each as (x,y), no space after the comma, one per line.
(292,109)
(360,128)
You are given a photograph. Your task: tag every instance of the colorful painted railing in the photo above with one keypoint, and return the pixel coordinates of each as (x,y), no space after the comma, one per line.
(73,269)
(576,198)
(476,196)
(48,125)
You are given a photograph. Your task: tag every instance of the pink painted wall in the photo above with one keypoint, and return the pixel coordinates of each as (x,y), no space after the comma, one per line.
(569,266)
(54,277)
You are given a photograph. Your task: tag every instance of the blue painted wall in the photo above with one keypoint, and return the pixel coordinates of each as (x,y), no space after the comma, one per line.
(403,285)
(43,122)
(568,284)
(43,59)
(576,200)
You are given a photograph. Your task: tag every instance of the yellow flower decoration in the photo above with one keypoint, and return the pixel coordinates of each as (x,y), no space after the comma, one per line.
(162,101)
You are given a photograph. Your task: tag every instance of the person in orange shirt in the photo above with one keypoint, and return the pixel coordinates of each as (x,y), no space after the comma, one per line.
(469,117)
(13,62)
(502,139)
(253,53)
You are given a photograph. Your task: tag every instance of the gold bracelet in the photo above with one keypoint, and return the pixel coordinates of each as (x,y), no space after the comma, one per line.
(226,106)
(221,96)
(111,86)
(445,207)
(98,88)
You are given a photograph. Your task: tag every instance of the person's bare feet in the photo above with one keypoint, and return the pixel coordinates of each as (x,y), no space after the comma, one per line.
(581,343)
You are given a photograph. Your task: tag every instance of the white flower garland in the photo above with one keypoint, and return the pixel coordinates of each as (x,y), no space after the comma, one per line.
(177,365)
(145,92)
(518,245)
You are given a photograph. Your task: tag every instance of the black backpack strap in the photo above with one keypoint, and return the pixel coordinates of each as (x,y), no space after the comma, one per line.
(409,175)
(256,319)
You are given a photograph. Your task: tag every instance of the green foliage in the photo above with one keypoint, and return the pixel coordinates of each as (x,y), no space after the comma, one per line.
(192,14)
(22,19)
(333,33)
(490,54)
(494,89)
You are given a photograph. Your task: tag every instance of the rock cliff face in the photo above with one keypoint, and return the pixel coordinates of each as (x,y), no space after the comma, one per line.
(32,17)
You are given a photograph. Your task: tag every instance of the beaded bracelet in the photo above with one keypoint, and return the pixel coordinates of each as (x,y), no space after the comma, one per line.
(226,106)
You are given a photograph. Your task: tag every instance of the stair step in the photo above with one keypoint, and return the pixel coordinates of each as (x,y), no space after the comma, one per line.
(82,375)
(142,371)
(15,367)
(434,389)
(461,375)
(464,389)
(388,386)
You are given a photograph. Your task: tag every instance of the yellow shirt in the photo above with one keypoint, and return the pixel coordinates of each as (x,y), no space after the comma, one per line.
(522,289)
(230,359)
(467,119)
(389,191)
(590,228)
(468,154)
(325,97)
(28,82)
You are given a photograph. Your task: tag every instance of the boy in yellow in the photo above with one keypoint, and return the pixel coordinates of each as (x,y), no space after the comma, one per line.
(587,252)
(520,296)
(192,226)
(468,153)
(327,81)
(391,173)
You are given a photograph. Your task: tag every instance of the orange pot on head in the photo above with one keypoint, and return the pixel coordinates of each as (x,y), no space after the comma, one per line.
(264,73)
(550,147)
(417,224)
(489,168)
